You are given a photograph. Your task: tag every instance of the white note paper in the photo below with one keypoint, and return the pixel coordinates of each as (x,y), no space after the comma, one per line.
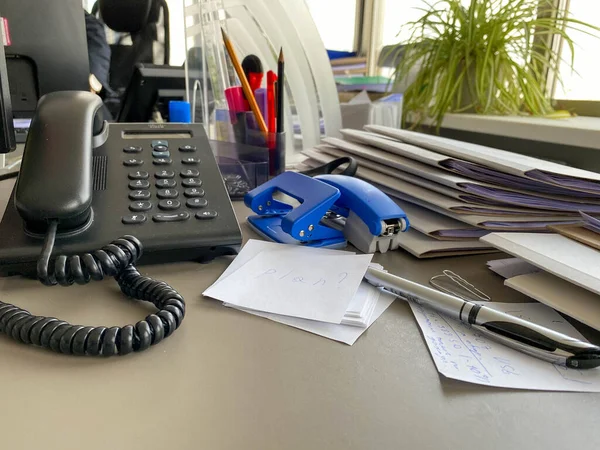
(299,284)
(342,333)
(254,246)
(461,353)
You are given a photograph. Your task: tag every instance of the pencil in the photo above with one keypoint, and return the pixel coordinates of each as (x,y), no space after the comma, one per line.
(280,86)
(245,85)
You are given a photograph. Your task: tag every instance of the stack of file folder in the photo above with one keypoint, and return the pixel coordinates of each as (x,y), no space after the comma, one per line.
(354,65)
(456,192)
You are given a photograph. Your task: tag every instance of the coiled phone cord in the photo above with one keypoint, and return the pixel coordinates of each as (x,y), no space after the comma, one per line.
(117,260)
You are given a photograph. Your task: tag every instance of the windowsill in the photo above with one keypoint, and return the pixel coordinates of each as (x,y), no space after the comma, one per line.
(573,131)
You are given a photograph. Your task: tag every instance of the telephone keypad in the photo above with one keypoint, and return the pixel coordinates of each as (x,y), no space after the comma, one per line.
(156,143)
(207,214)
(192,182)
(139,184)
(193,192)
(133,219)
(162,161)
(196,203)
(139,195)
(167,193)
(140,206)
(165,183)
(164,174)
(174,217)
(189,173)
(168,206)
(133,162)
(132,149)
(138,175)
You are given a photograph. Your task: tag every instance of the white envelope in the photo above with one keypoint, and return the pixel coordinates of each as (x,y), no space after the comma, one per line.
(561,295)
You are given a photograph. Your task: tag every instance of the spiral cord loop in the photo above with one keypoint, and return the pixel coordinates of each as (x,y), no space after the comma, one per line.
(117,260)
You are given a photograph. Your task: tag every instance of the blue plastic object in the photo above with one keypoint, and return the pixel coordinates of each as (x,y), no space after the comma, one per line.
(356,211)
(369,203)
(180,112)
(303,222)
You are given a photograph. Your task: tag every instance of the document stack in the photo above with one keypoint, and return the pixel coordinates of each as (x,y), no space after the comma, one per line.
(561,270)
(455,192)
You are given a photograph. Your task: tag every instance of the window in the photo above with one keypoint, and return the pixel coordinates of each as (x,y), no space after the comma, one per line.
(335,20)
(582,83)
(397,13)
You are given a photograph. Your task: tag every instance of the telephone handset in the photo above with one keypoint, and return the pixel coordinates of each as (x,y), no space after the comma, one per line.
(59,142)
(82,183)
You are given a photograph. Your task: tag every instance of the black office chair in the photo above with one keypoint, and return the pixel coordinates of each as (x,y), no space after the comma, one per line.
(139,19)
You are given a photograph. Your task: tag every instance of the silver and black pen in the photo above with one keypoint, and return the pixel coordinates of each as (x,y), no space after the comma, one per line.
(514,332)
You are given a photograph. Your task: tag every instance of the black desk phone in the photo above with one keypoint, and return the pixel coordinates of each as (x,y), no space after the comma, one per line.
(84,183)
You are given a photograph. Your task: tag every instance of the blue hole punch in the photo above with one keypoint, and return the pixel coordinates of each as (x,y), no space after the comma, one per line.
(332,210)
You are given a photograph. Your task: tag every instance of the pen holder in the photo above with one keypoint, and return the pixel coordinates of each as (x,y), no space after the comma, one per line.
(246,131)
(243,167)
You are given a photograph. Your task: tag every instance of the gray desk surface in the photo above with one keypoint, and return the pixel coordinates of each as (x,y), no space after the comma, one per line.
(228,380)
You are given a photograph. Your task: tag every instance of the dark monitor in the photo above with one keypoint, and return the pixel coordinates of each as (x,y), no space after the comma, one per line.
(48,50)
(152,87)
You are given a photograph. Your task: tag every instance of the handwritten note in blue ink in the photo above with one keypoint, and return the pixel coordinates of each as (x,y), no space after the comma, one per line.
(310,285)
(462,353)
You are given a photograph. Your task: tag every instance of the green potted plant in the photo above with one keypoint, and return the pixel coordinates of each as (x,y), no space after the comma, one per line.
(490,57)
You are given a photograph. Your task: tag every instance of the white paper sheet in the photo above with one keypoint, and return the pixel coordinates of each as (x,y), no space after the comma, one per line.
(254,246)
(364,298)
(461,353)
(362,305)
(342,333)
(299,284)
(511,267)
(559,255)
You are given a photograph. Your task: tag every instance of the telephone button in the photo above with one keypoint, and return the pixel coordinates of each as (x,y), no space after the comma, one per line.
(132,149)
(160,142)
(157,154)
(193,192)
(138,175)
(187,148)
(190,161)
(165,183)
(140,206)
(205,215)
(169,205)
(160,148)
(162,161)
(188,173)
(133,219)
(176,217)
(139,184)
(167,193)
(139,195)
(164,174)
(196,203)
(192,182)
(133,162)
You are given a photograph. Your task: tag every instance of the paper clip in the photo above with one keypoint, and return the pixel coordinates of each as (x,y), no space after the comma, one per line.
(462,283)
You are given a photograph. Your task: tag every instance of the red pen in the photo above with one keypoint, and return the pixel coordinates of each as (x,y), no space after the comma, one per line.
(271,125)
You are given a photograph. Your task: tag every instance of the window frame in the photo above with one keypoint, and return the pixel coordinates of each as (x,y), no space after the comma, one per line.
(589,108)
